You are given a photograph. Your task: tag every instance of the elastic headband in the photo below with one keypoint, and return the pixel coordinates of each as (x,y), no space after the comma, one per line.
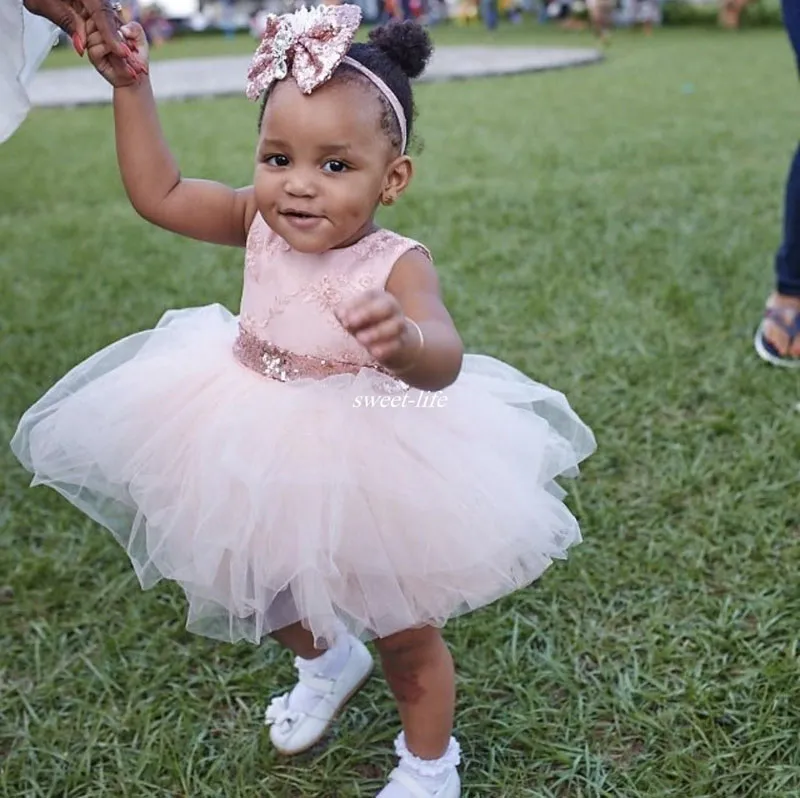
(309,45)
(386,92)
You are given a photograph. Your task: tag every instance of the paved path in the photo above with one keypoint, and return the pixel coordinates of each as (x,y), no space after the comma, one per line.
(225,75)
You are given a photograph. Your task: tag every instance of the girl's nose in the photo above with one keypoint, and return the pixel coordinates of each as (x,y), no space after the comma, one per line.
(299,183)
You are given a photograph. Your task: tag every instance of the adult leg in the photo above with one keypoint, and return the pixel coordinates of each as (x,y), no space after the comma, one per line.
(778,336)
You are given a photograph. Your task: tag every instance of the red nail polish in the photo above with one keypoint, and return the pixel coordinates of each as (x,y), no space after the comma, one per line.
(78,44)
(126,51)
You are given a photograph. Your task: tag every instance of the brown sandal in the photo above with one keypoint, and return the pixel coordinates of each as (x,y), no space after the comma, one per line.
(766,350)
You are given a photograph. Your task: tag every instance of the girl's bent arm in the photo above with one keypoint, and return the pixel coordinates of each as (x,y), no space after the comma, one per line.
(415,284)
(200,209)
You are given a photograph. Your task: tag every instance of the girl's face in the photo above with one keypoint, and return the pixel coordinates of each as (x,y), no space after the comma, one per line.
(323,163)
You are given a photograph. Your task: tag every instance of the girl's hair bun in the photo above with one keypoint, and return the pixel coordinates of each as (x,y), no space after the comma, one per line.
(406,43)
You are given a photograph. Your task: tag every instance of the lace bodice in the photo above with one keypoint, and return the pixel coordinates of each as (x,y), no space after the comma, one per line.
(289,297)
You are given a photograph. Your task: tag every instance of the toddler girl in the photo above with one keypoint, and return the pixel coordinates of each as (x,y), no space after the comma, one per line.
(285,466)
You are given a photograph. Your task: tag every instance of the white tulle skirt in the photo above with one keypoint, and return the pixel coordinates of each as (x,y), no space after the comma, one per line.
(319,501)
(25,41)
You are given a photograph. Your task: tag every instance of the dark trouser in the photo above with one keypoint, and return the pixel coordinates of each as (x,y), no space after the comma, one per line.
(488,9)
(787,260)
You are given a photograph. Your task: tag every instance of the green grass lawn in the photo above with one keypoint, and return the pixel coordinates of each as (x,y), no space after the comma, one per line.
(609,230)
(450,33)
(184,47)
(195,46)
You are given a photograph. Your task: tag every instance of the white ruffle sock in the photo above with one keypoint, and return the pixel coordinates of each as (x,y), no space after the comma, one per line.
(424,778)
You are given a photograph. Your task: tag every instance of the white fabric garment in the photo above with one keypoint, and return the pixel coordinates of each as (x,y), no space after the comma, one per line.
(25,41)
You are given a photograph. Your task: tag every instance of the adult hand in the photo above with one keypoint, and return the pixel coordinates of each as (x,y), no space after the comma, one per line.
(71,17)
(116,71)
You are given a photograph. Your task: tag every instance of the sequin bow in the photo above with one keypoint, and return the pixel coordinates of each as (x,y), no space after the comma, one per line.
(309,44)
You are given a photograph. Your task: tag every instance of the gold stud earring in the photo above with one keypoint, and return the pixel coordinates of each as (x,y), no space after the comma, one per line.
(387,200)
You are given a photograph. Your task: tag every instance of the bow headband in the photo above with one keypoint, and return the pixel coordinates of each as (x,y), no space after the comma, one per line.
(310,44)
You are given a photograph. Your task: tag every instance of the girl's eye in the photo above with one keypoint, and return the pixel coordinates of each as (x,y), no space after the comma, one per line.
(335,166)
(276,160)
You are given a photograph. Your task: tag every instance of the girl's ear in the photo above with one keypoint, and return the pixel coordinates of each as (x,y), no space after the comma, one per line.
(398,176)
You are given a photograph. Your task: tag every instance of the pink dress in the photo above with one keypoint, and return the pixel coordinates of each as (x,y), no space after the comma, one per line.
(269,467)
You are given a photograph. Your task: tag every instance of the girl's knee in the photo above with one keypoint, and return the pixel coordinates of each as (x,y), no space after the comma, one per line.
(410,646)
(406,656)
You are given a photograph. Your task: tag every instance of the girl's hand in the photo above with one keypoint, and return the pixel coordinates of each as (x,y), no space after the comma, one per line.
(378,323)
(72,17)
(118,71)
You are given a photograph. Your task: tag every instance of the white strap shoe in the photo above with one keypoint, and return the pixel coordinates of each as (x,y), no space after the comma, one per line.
(293,732)
(420,778)
(413,789)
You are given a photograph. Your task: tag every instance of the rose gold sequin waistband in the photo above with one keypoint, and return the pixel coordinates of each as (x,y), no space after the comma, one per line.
(283,365)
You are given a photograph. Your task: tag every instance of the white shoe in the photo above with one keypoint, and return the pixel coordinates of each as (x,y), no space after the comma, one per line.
(419,778)
(451,789)
(295,732)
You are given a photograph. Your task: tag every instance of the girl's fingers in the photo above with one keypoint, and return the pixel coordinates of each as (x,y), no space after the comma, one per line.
(383,332)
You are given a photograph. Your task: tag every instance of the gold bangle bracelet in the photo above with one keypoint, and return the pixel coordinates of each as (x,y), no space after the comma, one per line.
(419,349)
